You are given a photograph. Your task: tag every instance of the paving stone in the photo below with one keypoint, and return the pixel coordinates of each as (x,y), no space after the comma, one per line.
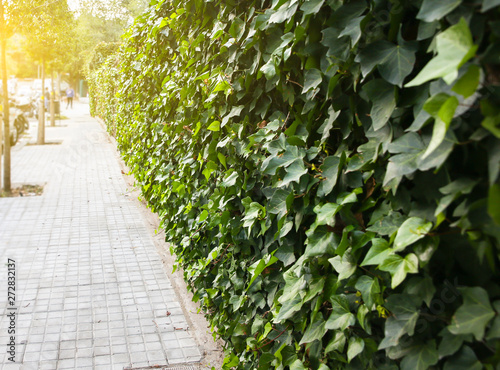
(91,289)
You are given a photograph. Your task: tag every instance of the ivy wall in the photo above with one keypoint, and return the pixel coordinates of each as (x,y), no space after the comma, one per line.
(326,172)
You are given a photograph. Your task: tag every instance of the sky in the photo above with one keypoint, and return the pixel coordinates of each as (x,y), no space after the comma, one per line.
(73,4)
(104,7)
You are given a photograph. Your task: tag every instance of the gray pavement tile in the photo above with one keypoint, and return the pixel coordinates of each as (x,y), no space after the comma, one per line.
(47,364)
(66,364)
(32,365)
(92,292)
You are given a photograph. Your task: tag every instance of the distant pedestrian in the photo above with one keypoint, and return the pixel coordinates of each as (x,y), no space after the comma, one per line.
(70,93)
(46,99)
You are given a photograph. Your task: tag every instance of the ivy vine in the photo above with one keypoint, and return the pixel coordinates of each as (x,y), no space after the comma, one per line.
(327,173)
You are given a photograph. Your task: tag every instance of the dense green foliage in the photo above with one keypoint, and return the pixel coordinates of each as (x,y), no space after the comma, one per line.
(326,171)
(101,71)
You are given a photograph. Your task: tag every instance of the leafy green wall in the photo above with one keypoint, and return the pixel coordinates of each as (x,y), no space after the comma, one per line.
(326,173)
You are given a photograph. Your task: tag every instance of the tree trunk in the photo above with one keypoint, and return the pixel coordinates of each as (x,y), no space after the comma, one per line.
(52,105)
(59,87)
(41,110)
(6,148)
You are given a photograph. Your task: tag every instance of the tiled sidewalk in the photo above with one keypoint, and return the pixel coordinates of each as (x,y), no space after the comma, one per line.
(91,291)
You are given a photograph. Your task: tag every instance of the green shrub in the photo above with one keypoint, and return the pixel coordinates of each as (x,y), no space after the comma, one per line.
(326,173)
(103,82)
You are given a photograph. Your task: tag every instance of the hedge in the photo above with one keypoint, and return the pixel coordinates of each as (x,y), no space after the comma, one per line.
(326,172)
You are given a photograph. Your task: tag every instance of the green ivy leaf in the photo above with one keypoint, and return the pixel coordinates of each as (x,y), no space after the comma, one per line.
(475,313)
(451,343)
(370,290)
(492,124)
(253,212)
(468,83)
(203,216)
(355,347)
(493,162)
(325,214)
(279,203)
(362,319)
(341,316)
(441,124)
(440,154)
(353,29)
(292,298)
(235,111)
(284,12)
(421,287)
(400,165)
(454,47)
(312,79)
(337,343)
(494,203)
(320,243)
(427,29)
(425,248)
(330,172)
(411,230)
(338,46)
(398,267)
(275,161)
(387,225)
(394,62)
(286,254)
(214,126)
(464,360)
(402,322)
(285,229)
(377,253)
(230,361)
(297,365)
(315,331)
(462,185)
(256,269)
(344,242)
(210,167)
(311,7)
(236,301)
(237,28)
(489,4)
(383,99)
(494,331)
(434,103)
(222,85)
(269,69)
(432,10)
(421,357)
(447,110)
(293,173)
(408,143)
(345,265)
(374,54)
(325,129)
(289,308)
(222,159)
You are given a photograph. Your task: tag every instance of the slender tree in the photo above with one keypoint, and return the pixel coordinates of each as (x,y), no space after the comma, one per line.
(48,27)
(4,35)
